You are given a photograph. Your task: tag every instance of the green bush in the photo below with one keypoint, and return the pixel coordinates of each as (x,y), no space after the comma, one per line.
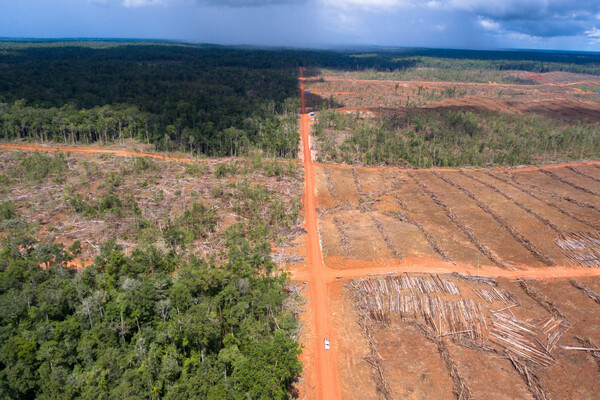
(225,169)
(37,166)
(110,202)
(200,220)
(7,211)
(144,164)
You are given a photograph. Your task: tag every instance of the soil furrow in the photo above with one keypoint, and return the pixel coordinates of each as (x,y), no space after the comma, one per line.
(543,200)
(466,230)
(566,182)
(518,236)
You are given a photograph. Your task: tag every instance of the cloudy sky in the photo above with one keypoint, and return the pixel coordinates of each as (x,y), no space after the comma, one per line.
(534,24)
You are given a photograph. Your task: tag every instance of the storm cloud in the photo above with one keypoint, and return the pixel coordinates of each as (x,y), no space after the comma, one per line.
(544,24)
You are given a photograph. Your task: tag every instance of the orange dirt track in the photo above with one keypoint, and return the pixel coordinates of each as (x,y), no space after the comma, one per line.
(326,370)
(88,150)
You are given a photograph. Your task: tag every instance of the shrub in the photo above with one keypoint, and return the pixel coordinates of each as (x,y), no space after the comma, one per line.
(38,166)
(110,202)
(199,220)
(7,211)
(225,169)
(144,164)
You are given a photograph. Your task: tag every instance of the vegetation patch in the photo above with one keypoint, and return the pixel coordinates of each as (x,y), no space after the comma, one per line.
(424,139)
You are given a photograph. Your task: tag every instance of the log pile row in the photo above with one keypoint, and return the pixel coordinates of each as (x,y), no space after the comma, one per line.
(532,343)
(386,238)
(343,235)
(540,198)
(508,197)
(582,173)
(556,195)
(330,185)
(404,217)
(412,298)
(587,291)
(495,294)
(583,247)
(412,284)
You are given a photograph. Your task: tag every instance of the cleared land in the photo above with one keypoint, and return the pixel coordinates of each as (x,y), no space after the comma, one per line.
(92,195)
(459,283)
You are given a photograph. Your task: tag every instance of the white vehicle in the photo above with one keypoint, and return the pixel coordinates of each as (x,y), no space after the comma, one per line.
(326,340)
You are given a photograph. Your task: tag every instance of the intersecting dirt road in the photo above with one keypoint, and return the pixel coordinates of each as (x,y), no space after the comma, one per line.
(326,370)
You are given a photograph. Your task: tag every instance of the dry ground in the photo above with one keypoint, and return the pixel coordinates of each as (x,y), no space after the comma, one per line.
(162,191)
(464,220)
(505,224)
(556,94)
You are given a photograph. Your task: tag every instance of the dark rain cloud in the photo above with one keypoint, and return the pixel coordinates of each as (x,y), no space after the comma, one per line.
(541,18)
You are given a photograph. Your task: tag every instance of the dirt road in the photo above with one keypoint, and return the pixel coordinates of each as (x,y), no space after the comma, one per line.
(88,150)
(362,269)
(326,369)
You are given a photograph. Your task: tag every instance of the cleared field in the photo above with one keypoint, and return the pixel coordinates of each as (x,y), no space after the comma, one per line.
(98,195)
(459,283)
(473,218)
(556,95)
(413,351)
(476,217)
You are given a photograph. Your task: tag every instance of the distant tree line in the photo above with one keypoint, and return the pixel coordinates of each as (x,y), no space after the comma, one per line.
(175,98)
(211,100)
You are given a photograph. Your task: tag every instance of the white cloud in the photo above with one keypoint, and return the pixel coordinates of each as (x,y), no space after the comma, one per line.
(489,24)
(593,33)
(141,3)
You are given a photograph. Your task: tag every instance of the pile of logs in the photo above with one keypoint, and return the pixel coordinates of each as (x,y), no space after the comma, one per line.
(412,297)
(407,283)
(495,294)
(583,247)
(525,341)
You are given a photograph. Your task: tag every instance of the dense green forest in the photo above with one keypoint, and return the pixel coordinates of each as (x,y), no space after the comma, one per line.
(452,138)
(149,325)
(174,97)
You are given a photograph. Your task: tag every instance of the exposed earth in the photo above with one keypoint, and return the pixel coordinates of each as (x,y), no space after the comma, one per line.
(452,283)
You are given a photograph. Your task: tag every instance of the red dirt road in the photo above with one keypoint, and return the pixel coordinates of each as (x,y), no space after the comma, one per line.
(326,369)
(87,150)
